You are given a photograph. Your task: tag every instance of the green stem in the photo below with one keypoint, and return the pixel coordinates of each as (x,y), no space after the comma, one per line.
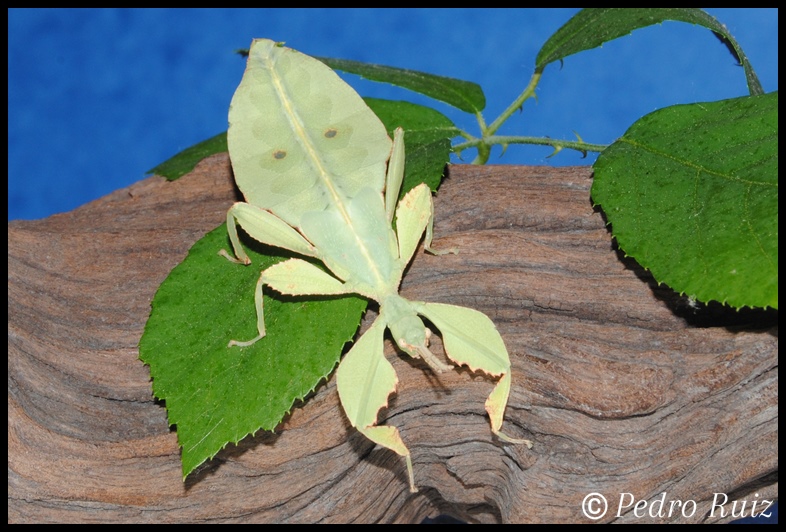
(489,139)
(528,92)
(487,142)
(484,146)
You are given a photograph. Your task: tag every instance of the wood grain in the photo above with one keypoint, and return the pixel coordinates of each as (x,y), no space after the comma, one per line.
(621,384)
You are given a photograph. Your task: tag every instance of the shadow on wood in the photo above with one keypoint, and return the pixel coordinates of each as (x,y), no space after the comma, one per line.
(622,385)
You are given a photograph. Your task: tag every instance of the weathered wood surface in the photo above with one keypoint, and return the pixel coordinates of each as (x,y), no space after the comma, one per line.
(622,386)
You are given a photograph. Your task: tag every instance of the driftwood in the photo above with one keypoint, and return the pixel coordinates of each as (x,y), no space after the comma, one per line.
(623,386)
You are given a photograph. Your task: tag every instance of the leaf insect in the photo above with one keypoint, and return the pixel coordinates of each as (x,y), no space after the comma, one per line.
(311,160)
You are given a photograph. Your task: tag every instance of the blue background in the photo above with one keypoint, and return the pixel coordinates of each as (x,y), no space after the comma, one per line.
(97,97)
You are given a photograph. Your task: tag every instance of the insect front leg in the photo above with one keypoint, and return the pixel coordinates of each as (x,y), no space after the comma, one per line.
(395,173)
(415,213)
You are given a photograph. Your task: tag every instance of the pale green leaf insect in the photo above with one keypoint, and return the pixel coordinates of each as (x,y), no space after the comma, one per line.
(312,162)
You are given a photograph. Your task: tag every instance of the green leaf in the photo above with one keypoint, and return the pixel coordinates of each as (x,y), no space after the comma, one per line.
(215,394)
(691,192)
(186,160)
(428,134)
(461,94)
(422,123)
(590,28)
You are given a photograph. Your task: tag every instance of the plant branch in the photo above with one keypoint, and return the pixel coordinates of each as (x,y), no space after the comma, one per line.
(504,140)
(528,92)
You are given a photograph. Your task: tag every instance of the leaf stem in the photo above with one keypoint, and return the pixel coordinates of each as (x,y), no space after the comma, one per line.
(504,140)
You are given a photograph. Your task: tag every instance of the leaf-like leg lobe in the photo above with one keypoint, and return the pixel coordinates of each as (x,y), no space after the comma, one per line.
(364,380)
(389,437)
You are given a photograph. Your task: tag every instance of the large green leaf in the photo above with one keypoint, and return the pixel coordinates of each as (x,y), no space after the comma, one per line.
(691,192)
(590,28)
(464,95)
(215,394)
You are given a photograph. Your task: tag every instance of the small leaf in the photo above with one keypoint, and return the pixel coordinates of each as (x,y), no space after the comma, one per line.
(186,160)
(215,394)
(691,192)
(461,94)
(423,123)
(590,28)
